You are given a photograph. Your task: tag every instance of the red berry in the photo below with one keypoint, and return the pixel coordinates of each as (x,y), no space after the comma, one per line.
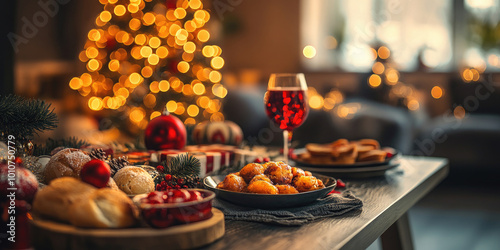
(18,161)
(340,183)
(177,187)
(257,160)
(96,172)
(389,155)
(160,168)
(184,186)
(180,181)
(168,177)
(266,159)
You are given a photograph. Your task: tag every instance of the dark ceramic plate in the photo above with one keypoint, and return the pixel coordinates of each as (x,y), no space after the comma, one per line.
(355,172)
(354,165)
(269,201)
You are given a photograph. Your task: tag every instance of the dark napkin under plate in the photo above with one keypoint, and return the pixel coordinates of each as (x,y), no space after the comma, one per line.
(331,205)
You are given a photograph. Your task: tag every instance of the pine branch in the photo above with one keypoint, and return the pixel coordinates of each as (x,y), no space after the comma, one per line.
(183,165)
(51,144)
(24,118)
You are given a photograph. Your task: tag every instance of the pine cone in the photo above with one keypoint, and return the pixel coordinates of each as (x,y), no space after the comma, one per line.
(118,163)
(98,153)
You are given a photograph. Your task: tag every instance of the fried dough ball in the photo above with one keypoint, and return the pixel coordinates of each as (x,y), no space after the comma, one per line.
(307,173)
(279,173)
(297,172)
(308,183)
(251,170)
(286,189)
(233,182)
(260,177)
(262,187)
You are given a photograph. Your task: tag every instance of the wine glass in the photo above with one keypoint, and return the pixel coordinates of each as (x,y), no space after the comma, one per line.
(286,104)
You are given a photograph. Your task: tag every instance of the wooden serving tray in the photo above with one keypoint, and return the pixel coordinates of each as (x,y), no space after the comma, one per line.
(54,235)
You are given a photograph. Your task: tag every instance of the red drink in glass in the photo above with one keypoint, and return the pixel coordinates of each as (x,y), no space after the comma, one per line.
(287,107)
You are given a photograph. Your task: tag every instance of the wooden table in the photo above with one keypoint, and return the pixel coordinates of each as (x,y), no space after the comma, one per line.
(386,200)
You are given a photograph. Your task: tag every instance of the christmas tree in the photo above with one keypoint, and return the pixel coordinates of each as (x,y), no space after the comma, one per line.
(145,55)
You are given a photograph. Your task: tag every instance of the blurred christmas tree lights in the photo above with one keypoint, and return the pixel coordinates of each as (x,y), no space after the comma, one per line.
(145,55)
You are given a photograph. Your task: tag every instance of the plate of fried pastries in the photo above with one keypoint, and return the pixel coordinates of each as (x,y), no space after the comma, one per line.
(270,185)
(344,154)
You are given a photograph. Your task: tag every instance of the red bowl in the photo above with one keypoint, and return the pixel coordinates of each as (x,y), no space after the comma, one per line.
(162,215)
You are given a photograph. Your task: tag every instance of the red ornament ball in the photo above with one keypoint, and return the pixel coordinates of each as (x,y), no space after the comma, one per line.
(96,173)
(13,175)
(165,132)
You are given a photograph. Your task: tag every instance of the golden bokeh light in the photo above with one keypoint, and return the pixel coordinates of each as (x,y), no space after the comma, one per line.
(309,51)
(383,52)
(91,52)
(162,52)
(137,115)
(154,42)
(316,102)
(180,13)
(189,47)
(154,115)
(208,51)
(193,110)
(374,81)
(199,88)
(95,103)
(163,85)
(195,4)
(135,78)
(392,76)
(437,92)
(149,101)
(171,106)
(119,10)
(146,51)
(203,35)
(183,66)
(148,19)
(75,83)
(459,112)
(215,76)
(413,105)
(378,68)
(93,65)
(147,71)
(217,62)
(105,16)
(153,59)
(154,87)
(114,65)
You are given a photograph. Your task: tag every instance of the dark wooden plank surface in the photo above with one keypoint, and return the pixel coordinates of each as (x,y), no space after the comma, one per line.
(385,199)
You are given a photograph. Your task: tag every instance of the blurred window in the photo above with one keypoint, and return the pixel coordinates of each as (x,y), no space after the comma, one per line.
(440,35)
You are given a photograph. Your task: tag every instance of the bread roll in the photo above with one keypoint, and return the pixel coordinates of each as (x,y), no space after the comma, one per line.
(134,180)
(67,162)
(104,208)
(56,199)
(70,200)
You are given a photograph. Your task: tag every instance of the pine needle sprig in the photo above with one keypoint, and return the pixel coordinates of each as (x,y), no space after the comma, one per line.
(51,144)
(183,165)
(24,118)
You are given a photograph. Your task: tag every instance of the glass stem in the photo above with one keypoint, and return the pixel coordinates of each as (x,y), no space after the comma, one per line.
(287,138)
